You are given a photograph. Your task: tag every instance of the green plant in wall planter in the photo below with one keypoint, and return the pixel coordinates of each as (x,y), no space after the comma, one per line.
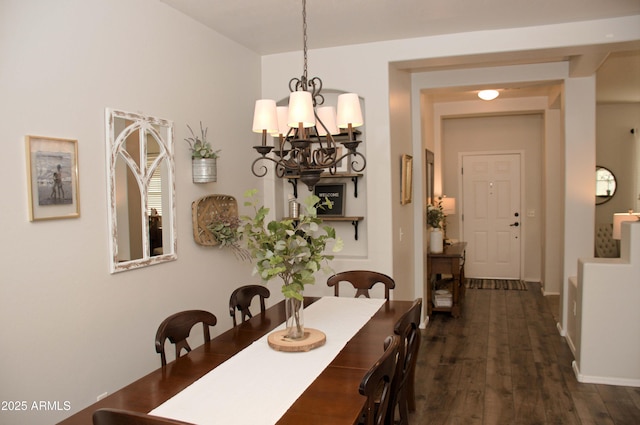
(203,157)
(293,250)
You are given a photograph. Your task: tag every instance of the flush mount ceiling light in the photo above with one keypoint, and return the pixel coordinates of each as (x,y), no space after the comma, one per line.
(488,94)
(305,145)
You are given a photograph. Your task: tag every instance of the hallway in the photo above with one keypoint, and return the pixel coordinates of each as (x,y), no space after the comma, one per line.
(504,362)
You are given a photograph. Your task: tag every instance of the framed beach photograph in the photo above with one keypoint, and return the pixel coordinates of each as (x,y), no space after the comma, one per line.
(407,179)
(335,193)
(52,175)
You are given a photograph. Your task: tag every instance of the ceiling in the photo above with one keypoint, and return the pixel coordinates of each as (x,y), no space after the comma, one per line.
(275,26)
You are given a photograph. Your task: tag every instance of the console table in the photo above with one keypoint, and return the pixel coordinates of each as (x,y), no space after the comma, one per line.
(449,262)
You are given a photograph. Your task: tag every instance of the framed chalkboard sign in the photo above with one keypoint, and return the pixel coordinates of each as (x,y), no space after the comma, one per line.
(335,193)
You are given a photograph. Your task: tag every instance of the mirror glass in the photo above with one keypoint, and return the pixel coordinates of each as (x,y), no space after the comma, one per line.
(141,190)
(605,185)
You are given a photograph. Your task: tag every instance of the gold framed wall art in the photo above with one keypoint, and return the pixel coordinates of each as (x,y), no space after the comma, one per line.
(52,176)
(407,179)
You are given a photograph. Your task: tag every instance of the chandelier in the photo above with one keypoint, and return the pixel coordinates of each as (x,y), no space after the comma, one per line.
(304,145)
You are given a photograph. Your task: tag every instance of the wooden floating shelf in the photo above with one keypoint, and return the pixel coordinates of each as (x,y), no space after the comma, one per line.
(330,176)
(353,219)
(293,179)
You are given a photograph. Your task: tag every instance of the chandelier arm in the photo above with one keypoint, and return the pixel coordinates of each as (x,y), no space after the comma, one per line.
(262,169)
(316,87)
(296,84)
(355,162)
(280,169)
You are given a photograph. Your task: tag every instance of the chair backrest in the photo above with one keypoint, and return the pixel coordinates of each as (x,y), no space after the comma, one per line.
(177,328)
(362,280)
(376,384)
(124,417)
(403,386)
(241,300)
(606,246)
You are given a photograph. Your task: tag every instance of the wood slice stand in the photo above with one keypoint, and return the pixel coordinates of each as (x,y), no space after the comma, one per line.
(313,338)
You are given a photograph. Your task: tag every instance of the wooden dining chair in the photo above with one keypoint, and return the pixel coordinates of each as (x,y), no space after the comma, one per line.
(107,416)
(376,384)
(403,386)
(362,280)
(177,328)
(241,299)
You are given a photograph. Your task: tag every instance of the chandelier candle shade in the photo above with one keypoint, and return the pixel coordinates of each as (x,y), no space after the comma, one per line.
(304,130)
(265,119)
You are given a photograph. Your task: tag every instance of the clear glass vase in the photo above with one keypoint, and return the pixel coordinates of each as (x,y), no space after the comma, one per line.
(295,318)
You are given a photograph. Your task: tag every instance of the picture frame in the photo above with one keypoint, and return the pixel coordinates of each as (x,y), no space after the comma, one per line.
(52,176)
(343,165)
(407,179)
(335,192)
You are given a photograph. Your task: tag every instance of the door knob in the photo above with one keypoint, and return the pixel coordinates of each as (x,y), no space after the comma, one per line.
(516,224)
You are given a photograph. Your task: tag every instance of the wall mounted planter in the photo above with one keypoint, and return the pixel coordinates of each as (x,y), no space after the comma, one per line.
(204,170)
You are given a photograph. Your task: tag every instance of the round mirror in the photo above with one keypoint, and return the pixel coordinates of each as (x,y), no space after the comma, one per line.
(605,185)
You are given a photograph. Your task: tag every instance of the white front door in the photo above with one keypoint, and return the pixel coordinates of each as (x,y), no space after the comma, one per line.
(491,215)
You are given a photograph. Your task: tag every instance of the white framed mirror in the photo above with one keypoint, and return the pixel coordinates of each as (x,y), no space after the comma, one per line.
(141,188)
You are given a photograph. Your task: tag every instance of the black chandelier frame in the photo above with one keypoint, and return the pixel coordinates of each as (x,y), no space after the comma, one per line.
(302,151)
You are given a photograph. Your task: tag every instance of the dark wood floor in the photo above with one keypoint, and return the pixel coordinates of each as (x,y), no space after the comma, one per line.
(504,362)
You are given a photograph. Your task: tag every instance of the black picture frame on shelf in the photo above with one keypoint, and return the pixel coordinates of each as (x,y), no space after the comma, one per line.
(335,193)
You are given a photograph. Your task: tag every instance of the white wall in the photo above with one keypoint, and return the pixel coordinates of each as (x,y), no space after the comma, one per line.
(553,204)
(523,134)
(404,228)
(336,69)
(616,150)
(551,142)
(364,69)
(71,330)
(579,209)
(607,343)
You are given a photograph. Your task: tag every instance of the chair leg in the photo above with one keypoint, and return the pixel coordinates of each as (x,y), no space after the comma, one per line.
(411,395)
(403,409)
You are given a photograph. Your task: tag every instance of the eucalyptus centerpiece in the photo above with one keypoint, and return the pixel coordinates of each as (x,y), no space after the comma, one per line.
(291,249)
(203,157)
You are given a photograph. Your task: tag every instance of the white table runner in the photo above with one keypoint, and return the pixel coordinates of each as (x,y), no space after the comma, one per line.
(259,384)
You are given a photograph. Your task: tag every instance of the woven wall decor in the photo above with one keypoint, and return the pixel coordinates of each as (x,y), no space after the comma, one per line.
(205,210)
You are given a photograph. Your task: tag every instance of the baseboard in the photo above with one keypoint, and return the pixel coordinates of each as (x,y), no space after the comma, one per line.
(424,323)
(571,345)
(607,380)
(560,330)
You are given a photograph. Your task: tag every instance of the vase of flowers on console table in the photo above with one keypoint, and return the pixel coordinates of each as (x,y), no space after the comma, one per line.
(293,250)
(435,220)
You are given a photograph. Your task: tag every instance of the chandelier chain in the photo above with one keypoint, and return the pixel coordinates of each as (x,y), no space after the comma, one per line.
(304,39)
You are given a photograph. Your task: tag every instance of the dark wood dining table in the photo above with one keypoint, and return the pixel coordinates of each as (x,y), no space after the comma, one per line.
(332,398)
